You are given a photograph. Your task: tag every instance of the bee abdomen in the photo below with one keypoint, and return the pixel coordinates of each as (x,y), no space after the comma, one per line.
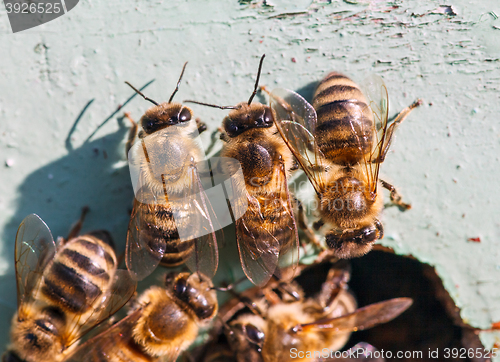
(80,272)
(65,286)
(94,248)
(344,130)
(85,264)
(268,221)
(177,252)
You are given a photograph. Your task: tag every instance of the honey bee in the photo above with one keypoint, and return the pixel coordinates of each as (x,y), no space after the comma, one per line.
(164,165)
(165,323)
(63,291)
(340,146)
(266,234)
(290,326)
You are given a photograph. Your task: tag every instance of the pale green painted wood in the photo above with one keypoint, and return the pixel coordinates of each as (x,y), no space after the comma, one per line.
(444,160)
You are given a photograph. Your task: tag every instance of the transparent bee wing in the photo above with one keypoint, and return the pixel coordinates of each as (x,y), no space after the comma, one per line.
(108,343)
(362,318)
(200,225)
(258,250)
(35,249)
(296,123)
(375,92)
(142,256)
(362,351)
(116,295)
(295,107)
(289,251)
(269,245)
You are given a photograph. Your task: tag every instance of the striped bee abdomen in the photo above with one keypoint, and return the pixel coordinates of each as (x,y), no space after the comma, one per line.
(344,130)
(80,273)
(268,220)
(159,227)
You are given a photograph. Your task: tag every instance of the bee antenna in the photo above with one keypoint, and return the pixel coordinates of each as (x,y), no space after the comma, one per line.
(257,81)
(178,83)
(229,287)
(139,92)
(210,105)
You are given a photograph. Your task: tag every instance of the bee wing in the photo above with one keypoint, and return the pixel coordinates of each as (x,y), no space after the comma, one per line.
(296,123)
(200,226)
(375,92)
(35,248)
(258,249)
(289,253)
(363,318)
(106,344)
(261,251)
(115,296)
(141,256)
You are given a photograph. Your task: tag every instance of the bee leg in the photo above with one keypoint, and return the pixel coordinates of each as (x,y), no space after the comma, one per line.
(223,135)
(405,112)
(202,127)
(326,255)
(395,196)
(131,134)
(390,130)
(302,222)
(335,283)
(77,226)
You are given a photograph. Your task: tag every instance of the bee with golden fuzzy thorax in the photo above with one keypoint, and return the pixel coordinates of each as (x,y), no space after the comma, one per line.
(340,144)
(164,165)
(288,322)
(63,291)
(163,325)
(266,233)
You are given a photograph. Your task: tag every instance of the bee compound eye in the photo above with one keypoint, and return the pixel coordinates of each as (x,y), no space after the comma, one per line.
(148,124)
(369,234)
(180,288)
(232,128)
(254,334)
(268,116)
(185,115)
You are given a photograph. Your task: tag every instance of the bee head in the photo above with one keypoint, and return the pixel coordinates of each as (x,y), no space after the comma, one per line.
(246,336)
(354,243)
(245,117)
(164,115)
(196,291)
